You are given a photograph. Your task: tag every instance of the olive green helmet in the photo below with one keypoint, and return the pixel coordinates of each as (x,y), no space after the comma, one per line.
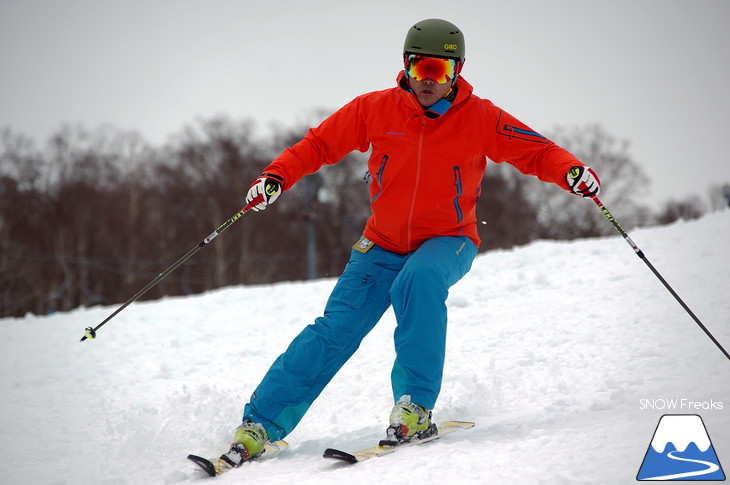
(435,37)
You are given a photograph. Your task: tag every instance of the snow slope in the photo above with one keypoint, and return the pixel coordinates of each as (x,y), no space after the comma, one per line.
(563,352)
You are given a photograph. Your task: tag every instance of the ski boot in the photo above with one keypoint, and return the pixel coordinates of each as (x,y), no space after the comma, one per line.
(249,442)
(408,421)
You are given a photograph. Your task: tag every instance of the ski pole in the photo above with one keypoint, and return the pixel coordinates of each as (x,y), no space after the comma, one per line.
(90,332)
(641,255)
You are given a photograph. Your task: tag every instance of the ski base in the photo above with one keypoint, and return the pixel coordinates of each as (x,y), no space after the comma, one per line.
(386,447)
(218,466)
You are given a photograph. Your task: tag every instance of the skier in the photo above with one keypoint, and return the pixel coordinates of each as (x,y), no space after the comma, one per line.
(430,137)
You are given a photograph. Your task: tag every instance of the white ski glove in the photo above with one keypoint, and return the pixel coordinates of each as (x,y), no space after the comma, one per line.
(264,191)
(583,181)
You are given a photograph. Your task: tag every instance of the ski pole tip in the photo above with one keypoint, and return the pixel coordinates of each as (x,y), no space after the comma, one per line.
(89,333)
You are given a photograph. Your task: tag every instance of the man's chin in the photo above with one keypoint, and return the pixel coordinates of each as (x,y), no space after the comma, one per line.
(427,100)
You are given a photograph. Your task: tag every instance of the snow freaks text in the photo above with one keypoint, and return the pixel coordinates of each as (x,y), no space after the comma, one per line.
(681,405)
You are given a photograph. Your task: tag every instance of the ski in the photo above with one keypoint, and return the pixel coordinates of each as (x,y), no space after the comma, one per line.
(386,447)
(218,466)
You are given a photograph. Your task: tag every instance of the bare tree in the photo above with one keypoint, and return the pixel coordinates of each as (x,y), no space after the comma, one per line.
(506,213)
(562,216)
(687,209)
(95,215)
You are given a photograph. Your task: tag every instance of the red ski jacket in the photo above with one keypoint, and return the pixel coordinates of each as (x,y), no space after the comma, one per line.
(426,169)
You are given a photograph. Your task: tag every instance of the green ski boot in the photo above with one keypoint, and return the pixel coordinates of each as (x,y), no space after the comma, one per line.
(249,442)
(409,421)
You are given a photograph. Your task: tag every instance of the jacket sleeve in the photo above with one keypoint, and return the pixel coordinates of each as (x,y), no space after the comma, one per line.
(338,135)
(509,140)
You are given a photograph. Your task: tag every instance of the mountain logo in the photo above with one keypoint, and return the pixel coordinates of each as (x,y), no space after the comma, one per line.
(681,450)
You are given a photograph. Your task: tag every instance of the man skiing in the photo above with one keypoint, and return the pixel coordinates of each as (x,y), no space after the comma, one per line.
(430,138)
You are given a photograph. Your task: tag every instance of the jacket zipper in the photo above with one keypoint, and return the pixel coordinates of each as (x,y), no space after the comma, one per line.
(415,185)
(514,130)
(457,180)
(379,178)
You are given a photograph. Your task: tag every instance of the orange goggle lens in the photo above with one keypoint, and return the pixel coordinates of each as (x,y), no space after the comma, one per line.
(436,68)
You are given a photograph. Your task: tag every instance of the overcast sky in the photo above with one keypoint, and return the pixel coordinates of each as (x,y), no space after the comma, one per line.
(654,72)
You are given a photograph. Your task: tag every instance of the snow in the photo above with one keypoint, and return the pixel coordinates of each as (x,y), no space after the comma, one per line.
(566,354)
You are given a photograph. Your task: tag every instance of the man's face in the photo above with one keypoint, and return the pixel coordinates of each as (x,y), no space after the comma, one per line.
(429,92)
(429,77)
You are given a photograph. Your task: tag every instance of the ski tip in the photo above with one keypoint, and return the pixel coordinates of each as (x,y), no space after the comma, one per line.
(205,464)
(460,424)
(333,454)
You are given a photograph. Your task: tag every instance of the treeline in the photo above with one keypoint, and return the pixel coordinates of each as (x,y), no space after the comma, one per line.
(94,215)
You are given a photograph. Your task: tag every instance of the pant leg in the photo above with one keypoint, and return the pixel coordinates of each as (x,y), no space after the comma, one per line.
(299,375)
(419,297)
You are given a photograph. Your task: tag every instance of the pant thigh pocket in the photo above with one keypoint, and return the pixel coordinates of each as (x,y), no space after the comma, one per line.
(353,287)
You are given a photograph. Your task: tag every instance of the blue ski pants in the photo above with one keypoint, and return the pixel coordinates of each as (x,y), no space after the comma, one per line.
(416,284)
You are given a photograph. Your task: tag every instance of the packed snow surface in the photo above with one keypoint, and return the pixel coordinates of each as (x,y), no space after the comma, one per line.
(566,354)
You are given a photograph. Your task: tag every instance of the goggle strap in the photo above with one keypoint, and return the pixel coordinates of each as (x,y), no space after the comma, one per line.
(459,64)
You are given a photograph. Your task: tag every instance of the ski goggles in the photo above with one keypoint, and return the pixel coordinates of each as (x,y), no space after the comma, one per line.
(441,70)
